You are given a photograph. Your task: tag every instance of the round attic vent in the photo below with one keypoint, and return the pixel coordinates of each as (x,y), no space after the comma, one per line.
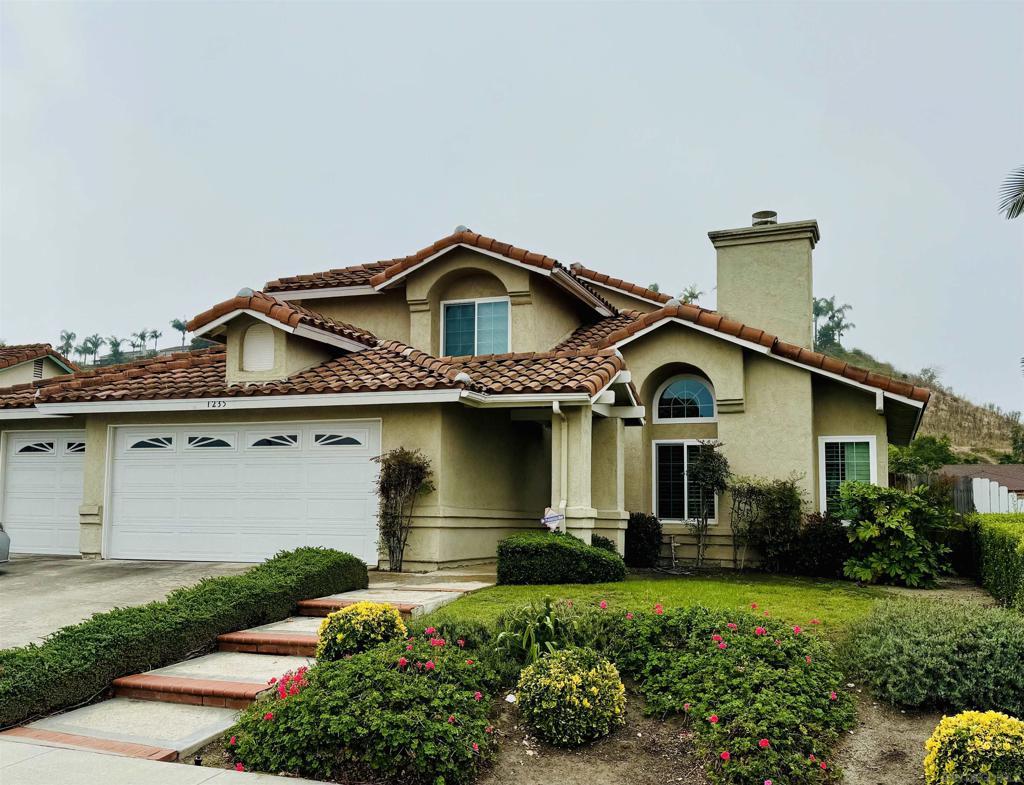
(245,291)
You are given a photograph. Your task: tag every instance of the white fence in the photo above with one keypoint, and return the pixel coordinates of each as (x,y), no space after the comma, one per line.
(990,496)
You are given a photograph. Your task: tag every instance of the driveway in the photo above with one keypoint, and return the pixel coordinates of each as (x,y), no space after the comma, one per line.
(41,594)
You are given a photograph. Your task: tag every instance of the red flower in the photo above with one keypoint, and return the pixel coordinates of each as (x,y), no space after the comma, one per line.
(686,707)
(760,631)
(753,605)
(462,643)
(478,695)
(437,641)
(476,747)
(239,767)
(629,615)
(272,680)
(451,719)
(658,610)
(429,665)
(833,697)
(402,662)
(409,647)
(764,744)
(823,765)
(731,626)
(603,604)
(233,741)
(713,719)
(725,755)
(469,662)
(716,637)
(429,631)
(723,645)
(268,716)
(797,630)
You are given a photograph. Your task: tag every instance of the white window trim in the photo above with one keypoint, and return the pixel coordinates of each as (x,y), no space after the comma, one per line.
(823,440)
(654,480)
(706,382)
(476,301)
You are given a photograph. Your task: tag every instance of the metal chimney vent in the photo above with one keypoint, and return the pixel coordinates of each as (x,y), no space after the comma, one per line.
(764,217)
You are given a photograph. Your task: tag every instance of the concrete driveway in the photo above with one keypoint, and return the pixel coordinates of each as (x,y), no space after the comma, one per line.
(41,594)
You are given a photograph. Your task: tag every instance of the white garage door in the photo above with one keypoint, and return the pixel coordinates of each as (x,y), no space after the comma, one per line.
(42,490)
(242,493)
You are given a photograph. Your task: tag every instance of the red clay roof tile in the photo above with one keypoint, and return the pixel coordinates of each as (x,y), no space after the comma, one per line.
(19,353)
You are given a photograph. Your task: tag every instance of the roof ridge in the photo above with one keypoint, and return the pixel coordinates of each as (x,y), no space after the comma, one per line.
(618,283)
(15,354)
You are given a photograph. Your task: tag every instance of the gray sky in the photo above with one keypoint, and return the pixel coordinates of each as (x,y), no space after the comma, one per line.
(156,157)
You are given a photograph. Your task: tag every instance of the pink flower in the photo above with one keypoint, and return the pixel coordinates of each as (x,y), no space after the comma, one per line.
(713,719)
(764,744)
(476,747)
(823,765)
(731,626)
(437,641)
(815,621)
(778,642)
(808,658)
(725,755)
(686,707)
(658,610)
(462,643)
(233,741)
(833,697)
(409,647)
(239,767)
(451,719)
(760,631)
(753,605)
(402,662)
(478,695)
(268,716)
(723,645)
(797,630)
(602,605)
(429,631)
(272,680)
(811,757)
(429,665)
(768,782)
(629,615)
(716,637)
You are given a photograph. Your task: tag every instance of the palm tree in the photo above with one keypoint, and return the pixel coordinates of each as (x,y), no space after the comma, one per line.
(67,342)
(139,340)
(94,343)
(182,327)
(691,294)
(155,335)
(1011,194)
(116,355)
(83,351)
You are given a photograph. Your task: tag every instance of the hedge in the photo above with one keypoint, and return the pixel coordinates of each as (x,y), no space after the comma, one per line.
(541,557)
(1001,557)
(79,662)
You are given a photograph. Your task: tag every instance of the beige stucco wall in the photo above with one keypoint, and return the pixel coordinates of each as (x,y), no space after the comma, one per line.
(24,372)
(385,314)
(291,353)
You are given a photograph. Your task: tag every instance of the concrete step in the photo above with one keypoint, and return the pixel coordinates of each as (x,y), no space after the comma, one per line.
(224,679)
(129,728)
(410,603)
(296,636)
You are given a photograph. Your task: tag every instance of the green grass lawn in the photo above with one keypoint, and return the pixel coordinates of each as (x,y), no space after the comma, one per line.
(837,604)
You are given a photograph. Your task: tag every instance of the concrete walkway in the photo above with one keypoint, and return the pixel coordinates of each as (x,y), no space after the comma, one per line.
(168,713)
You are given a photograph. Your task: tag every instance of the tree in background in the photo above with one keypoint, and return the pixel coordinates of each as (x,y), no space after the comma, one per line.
(830,323)
(94,343)
(116,355)
(155,335)
(924,455)
(82,350)
(1011,194)
(1016,453)
(67,342)
(139,340)
(182,327)
(654,287)
(691,294)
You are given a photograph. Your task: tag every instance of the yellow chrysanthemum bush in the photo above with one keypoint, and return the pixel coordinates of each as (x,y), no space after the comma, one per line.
(357,628)
(976,747)
(571,696)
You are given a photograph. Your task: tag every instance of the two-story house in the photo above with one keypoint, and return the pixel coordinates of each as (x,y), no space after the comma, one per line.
(527,383)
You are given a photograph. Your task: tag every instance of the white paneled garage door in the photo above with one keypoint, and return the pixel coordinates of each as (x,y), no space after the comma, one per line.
(242,493)
(42,490)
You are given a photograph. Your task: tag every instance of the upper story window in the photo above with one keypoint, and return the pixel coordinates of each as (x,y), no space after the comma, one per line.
(684,399)
(475,326)
(258,348)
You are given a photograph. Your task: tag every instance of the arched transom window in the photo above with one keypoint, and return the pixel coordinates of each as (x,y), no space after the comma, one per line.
(684,398)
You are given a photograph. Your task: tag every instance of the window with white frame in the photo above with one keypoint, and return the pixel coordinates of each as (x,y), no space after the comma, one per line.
(686,398)
(676,496)
(842,458)
(475,326)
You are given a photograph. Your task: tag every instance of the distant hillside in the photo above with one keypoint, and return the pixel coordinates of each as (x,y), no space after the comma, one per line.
(983,431)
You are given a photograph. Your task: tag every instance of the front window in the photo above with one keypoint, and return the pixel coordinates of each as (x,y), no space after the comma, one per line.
(684,398)
(475,327)
(677,497)
(844,458)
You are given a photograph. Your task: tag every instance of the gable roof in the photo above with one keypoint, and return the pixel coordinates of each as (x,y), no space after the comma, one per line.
(20,353)
(288,314)
(643,292)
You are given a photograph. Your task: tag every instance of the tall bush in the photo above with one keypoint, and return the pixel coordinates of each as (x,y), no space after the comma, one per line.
(768,513)
(404,476)
(708,474)
(1001,557)
(643,540)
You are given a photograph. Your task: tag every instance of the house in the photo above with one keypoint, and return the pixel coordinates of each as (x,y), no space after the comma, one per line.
(993,487)
(527,383)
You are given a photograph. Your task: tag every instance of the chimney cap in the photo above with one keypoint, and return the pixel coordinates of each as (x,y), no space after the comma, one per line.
(764,217)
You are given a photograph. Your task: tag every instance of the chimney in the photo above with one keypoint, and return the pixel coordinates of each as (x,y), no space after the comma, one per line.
(765,276)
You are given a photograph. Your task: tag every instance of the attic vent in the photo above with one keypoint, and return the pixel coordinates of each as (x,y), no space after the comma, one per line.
(765,217)
(37,369)
(258,348)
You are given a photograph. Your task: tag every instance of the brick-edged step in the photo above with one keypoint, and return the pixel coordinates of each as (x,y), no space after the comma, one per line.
(194,692)
(410,603)
(325,605)
(268,643)
(52,738)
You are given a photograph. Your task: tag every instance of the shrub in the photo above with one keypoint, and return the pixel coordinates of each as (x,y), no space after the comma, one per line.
(767,514)
(571,696)
(411,713)
(404,475)
(78,662)
(975,747)
(643,540)
(767,694)
(708,475)
(929,654)
(358,627)
(555,558)
(527,633)
(603,543)
(1001,557)
(821,548)
(894,535)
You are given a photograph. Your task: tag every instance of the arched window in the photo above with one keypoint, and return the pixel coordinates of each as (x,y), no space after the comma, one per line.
(684,398)
(258,348)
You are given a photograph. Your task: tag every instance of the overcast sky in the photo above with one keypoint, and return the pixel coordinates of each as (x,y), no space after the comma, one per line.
(156,157)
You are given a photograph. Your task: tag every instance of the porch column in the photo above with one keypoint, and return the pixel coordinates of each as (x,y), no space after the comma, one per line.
(579,513)
(608,475)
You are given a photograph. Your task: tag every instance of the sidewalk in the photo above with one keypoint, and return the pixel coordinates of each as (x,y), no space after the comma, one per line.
(33,764)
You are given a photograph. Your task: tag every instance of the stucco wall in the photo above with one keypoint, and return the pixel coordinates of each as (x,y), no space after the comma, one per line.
(385,314)
(291,354)
(24,372)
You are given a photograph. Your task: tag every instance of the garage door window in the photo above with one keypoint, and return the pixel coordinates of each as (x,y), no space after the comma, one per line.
(154,443)
(74,448)
(209,442)
(335,440)
(36,448)
(275,440)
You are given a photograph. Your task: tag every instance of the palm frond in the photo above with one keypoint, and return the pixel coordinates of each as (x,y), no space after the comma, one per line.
(1011,194)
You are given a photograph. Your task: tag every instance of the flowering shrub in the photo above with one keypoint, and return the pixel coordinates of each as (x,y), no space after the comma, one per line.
(571,696)
(975,747)
(928,654)
(357,628)
(412,711)
(765,699)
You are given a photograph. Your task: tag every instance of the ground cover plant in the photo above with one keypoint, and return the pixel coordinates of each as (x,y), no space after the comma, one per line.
(942,655)
(358,627)
(1001,557)
(975,747)
(77,663)
(547,558)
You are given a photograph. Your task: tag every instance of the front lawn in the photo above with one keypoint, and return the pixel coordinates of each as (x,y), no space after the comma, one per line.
(836,604)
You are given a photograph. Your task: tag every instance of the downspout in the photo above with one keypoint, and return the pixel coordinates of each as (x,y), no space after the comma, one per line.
(563,444)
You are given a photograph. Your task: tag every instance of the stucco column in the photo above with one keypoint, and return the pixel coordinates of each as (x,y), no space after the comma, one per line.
(579,513)
(608,478)
(94,481)
(419,326)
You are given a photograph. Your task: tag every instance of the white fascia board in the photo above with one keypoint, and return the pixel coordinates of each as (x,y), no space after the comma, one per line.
(616,290)
(852,382)
(238,312)
(330,291)
(523,399)
(228,403)
(622,412)
(26,414)
(573,286)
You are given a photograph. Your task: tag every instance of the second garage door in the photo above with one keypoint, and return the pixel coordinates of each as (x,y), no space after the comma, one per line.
(242,493)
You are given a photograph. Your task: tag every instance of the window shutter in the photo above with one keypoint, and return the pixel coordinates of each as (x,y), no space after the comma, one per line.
(258,348)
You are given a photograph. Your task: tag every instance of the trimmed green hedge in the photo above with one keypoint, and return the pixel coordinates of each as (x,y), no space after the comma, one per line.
(79,662)
(1001,557)
(540,557)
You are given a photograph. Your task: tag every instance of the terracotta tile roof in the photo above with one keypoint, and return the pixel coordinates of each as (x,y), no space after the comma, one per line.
(286,313)
(586,371)
(357,275)
(12,355)
(617,283)
(588,336)
(1009,474)
(19,396)
(715,321)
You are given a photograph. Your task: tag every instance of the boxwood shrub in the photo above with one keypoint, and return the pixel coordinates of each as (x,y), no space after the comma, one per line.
(541,557)
(77,663)
(942,655)
(1001,557)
